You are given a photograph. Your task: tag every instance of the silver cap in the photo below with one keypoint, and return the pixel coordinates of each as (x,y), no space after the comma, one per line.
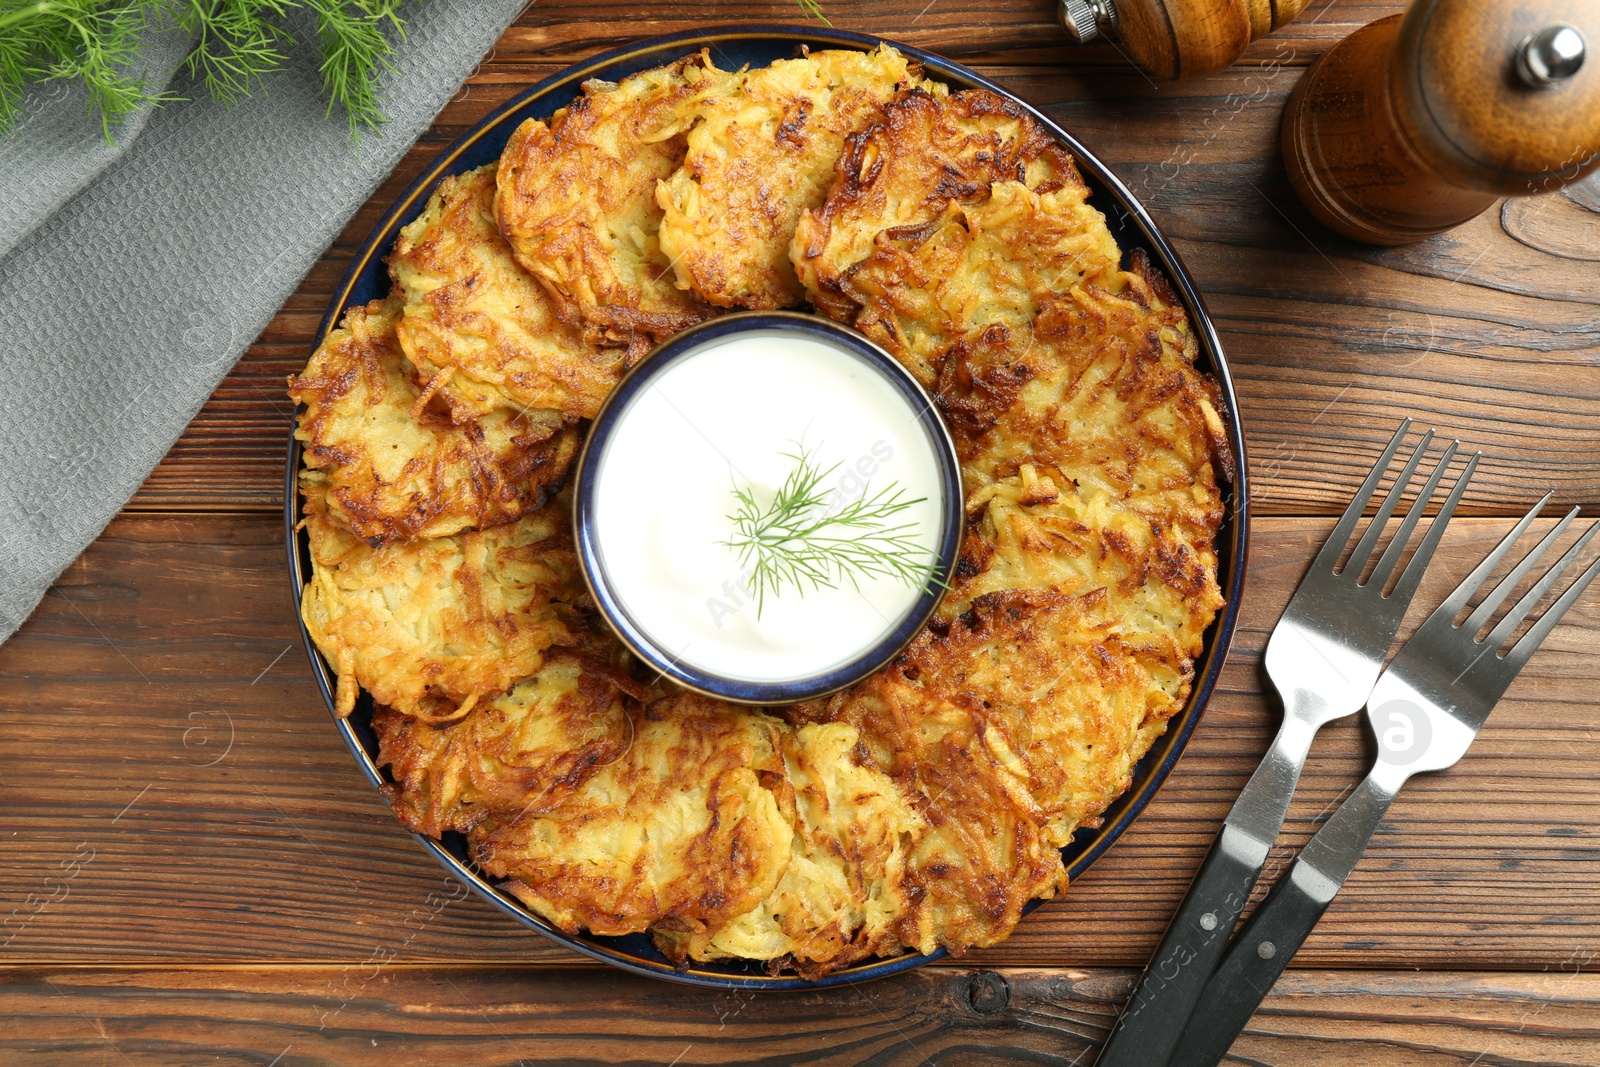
(1086,20)
(1553,54)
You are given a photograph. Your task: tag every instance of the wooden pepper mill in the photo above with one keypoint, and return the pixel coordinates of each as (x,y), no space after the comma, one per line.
(1178,38)
(1416,123)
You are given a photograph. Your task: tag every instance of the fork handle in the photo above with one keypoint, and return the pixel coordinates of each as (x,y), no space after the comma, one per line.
(1149,1026)
(1282,923)
(1148,1030)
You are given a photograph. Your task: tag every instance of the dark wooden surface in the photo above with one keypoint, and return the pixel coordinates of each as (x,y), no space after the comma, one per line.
(192,870)
(468,1016)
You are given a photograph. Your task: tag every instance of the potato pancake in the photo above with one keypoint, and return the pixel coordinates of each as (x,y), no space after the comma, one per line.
(928,804)
(577,199)
(431,627)
(523,749)
(390,472)
(843,889)
(482,332)
(759,156)
(683,832)
(950,215)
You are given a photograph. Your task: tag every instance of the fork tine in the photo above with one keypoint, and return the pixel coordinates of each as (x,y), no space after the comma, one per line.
(1380,573)
(1514,617)
(1457,600)
(1333,547)
(1363,549)
(1540,630)
(1412,575)
(1492,602)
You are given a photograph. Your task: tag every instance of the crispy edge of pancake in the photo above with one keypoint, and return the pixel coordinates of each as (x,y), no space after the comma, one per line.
(482,331)
(392,472)
(576,200)
(759,156)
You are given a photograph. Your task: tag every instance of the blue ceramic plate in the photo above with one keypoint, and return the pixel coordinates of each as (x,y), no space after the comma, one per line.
(732,47)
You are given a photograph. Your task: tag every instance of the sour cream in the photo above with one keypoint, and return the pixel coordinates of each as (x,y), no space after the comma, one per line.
(721,417)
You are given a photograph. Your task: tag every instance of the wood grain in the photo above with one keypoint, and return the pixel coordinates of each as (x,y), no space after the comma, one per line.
(174,790)
(193,871)
(1489,335)
(970,31)
(377,1014)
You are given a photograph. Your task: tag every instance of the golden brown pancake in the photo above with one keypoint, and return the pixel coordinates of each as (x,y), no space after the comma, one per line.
(577,199)
(481,331)
(431,627)
(949,216)
(844,887)
(760,155)
(683,832)
(525,748)
(390,471)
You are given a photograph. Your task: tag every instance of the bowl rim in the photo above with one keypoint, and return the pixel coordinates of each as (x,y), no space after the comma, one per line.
(684,345)
(1152,771)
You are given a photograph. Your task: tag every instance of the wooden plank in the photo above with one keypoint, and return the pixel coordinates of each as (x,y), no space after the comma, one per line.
(467,1016)
(174,791)
(970,31)
(1480,333)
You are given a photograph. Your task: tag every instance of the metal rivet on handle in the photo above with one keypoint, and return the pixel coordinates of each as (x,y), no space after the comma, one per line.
(1208,921)
(1266,950)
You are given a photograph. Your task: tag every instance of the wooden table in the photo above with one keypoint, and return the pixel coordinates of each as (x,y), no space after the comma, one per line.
(192,870)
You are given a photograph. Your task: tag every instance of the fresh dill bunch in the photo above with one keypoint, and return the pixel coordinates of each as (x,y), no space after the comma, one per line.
(237,43)
(798,539)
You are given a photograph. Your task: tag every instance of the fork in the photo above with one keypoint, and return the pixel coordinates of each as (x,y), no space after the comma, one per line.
(1323,658)
(1425,711)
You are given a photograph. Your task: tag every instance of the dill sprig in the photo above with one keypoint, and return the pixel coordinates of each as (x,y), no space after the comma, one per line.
(237,43)
(813,9)
(798,539)
(88,40)
(355,51)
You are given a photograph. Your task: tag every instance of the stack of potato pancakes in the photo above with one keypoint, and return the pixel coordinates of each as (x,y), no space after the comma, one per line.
(923,807)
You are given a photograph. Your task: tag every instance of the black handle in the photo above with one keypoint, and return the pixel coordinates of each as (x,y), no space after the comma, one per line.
(1263,949)
(1148,1031)
(1284,921)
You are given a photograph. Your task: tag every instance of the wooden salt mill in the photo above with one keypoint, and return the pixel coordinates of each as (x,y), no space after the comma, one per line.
(1177,38)
(1416,123)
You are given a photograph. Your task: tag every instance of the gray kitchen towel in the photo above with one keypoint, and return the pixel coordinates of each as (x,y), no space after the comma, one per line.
(124,309)
(59,143)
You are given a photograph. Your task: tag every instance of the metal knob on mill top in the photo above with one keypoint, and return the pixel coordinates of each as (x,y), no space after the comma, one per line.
(1417,123)
(1553,54)
(1088,20)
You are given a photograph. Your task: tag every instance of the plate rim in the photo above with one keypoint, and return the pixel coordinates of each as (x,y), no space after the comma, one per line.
(1166,750)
